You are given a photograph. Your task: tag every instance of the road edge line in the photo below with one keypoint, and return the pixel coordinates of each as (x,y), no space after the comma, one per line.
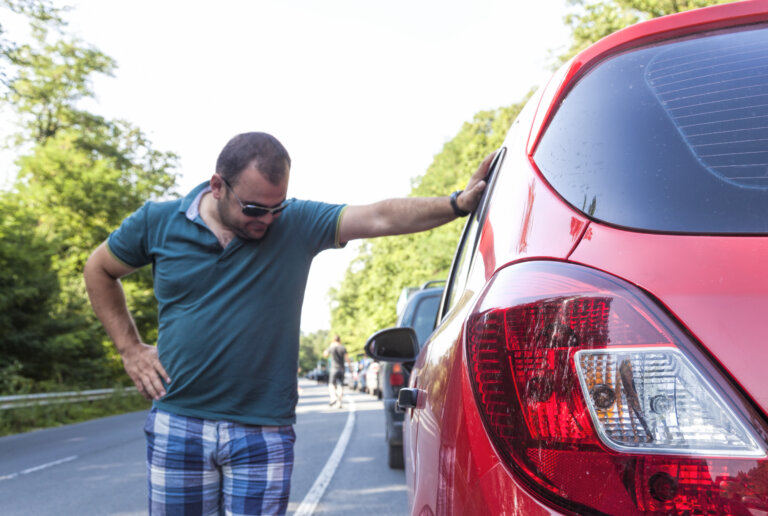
(309,504)
(38,468)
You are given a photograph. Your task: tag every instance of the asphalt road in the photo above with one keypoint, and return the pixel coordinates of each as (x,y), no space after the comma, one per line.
(97,467)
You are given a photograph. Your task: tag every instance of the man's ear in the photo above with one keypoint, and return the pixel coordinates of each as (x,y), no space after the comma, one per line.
(217,186)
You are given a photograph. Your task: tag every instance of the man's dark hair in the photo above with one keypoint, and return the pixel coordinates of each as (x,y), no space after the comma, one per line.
(262,149)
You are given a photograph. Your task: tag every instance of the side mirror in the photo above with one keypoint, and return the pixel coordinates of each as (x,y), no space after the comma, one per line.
(393,345)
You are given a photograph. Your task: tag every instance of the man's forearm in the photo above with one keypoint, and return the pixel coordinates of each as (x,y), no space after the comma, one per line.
(108,301)
(395,217)
(413,214)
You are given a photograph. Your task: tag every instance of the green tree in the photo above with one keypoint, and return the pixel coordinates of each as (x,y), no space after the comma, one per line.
(80,195)
(311,348)
(28,289)
(79,175)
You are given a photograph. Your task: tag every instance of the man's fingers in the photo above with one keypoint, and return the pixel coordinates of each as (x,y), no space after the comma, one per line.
(482,170)
(478,188)
(144,394)
(147,372)
(161,371)
(476,192)
(153,377)
(140,387)
(154,386)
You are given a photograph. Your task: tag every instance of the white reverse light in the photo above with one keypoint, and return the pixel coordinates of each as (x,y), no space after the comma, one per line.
(653,400)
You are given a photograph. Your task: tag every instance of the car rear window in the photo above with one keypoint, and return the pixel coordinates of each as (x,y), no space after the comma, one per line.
(424,317)
(669,138)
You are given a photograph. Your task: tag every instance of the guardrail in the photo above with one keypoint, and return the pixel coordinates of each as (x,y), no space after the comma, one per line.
(48,398)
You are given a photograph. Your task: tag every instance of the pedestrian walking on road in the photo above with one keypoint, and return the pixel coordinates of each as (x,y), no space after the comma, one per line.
(339,358)
(230,262)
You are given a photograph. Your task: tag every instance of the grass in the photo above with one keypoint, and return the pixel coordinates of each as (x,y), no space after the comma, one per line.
(35,417)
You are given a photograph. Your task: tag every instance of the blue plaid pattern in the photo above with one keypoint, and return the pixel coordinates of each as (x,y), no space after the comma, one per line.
(203,467)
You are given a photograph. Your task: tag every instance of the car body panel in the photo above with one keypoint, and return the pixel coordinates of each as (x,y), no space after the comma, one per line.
(446,435)
(721,300)
(531,221)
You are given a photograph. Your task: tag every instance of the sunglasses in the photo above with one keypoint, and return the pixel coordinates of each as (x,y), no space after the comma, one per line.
(255,210)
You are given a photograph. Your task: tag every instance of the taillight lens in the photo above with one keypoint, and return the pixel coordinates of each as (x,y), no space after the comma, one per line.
(601,403)
(396,378)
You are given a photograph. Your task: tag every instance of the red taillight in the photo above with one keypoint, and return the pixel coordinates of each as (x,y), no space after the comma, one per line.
(600,403)
(396,378)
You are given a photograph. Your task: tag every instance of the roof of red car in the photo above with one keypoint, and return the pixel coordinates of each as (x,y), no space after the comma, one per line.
(651,31)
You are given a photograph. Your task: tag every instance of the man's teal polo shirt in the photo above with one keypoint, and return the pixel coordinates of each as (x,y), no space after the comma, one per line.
(228,317)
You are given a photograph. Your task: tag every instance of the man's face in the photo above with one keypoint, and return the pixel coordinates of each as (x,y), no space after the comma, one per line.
(251,187)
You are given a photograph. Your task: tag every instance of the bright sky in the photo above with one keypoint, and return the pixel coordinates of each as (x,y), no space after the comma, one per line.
(363,93)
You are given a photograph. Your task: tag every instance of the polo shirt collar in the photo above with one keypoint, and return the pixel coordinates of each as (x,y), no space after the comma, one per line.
(190,205)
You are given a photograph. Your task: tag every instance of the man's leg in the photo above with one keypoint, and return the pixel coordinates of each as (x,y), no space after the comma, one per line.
(331,391)
(256,464)
(182,476)
(340,389)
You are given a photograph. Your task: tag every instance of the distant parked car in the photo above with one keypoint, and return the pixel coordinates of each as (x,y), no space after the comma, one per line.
(319,373)
(372,379)
(362,368)
(600,346)
(417,308)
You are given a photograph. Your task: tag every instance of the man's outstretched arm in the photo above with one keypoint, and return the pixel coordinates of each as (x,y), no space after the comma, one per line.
(412,214)
(102,280)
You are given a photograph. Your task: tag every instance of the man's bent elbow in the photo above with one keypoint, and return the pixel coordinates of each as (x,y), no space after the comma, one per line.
(102,265)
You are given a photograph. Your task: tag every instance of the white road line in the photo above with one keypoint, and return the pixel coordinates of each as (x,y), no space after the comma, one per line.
(309,504)
(38,468)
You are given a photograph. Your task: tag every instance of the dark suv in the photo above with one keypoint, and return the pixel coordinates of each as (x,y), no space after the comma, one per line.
(417,309)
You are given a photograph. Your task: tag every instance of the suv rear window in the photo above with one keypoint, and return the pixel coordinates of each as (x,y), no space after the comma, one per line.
(672,137)
(424,317)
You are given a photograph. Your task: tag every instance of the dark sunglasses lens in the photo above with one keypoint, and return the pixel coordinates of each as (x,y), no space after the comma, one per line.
(253,211)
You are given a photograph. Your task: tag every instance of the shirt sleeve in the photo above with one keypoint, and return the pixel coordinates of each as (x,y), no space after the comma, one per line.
(129,242)
(320,224)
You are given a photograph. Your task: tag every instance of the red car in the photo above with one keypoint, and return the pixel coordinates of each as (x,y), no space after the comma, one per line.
(600,347)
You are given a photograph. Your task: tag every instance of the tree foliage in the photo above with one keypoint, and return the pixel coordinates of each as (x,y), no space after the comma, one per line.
(311,349)
(28,286)
(78,176)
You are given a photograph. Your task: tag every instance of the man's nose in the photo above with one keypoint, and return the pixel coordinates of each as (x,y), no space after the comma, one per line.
(268,218)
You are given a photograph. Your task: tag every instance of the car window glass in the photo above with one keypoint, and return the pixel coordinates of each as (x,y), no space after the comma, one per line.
(670,137)
(462,261)
(482,209)
(424,317)
(461,265)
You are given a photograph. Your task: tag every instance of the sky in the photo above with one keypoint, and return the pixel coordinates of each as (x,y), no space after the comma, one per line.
(363,93)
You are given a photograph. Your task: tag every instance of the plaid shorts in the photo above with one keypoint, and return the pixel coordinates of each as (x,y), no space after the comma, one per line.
(201,467)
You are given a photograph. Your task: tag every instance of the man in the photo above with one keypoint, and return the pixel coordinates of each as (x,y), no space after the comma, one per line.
(230,263)
(339,358)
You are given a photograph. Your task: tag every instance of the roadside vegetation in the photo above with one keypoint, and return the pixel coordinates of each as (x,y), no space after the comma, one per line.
(79,174)
(35,417)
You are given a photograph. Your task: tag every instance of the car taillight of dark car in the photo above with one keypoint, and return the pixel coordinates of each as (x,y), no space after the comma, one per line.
(396,377)
(600,403)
